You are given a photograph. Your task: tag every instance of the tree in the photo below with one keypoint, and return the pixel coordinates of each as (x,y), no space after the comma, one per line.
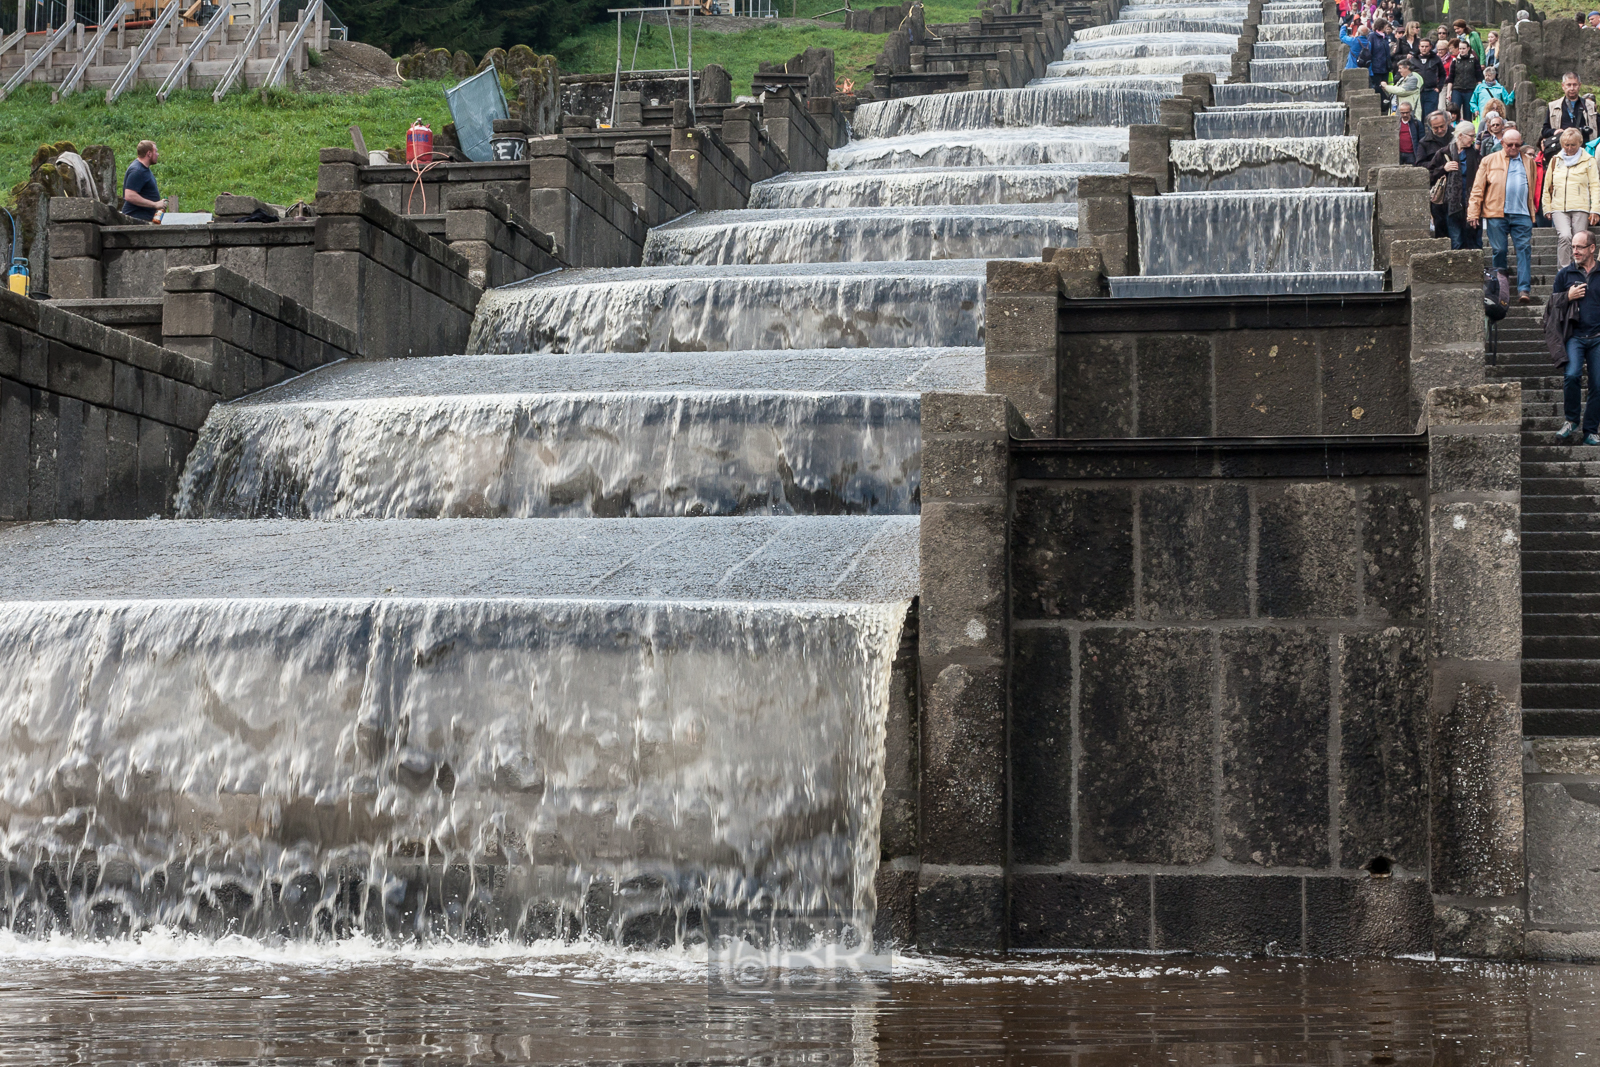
(399,26)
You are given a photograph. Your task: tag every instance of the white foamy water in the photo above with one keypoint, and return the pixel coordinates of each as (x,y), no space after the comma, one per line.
(1264,163)
(1085,102)
(1011,147)
(1051,183)
(1242,232)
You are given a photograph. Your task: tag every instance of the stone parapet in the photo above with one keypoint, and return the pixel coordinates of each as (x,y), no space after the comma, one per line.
(591,218)
(400,290)
(1475,645)
(1021,305)
(1447,342)
(720,180)
(499,244)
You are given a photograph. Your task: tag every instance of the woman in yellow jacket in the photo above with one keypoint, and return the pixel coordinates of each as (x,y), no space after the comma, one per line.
(1571,193)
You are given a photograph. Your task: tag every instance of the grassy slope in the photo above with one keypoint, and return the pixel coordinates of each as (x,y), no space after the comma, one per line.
(242,145)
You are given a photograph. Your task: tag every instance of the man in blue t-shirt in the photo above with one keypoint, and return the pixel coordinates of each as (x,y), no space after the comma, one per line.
(140,197)
(1583,347)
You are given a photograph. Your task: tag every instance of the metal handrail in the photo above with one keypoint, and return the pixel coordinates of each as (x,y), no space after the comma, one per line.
(130,73)
(39,57)
(69,84)
(269,17)
(308,17)
(8,43)
(181,68)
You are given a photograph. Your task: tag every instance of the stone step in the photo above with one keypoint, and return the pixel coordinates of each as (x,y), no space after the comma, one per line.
(1563,468)
(1573,646)
(1550,722)
(1560,581)
(1587,518)
(1563,625)
(1586,487)
(1555,505)
(1560,603)
(1560,540)
(1557,672)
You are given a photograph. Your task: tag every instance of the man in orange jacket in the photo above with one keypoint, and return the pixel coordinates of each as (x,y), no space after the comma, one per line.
(1503,200)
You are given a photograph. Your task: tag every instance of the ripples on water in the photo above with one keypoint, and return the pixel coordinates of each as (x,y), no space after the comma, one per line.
(181,1001)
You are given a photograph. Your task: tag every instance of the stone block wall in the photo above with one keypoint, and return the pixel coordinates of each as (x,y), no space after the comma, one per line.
(1561,789)
(401,292)
(594,223)
(720,179)
(500,245)
(1224,713)
(646,175)
(94,423)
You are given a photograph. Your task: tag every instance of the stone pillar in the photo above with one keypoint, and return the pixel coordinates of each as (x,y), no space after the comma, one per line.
(1149,149)
(1353,85)
(961,891)
(1105,221)
(1446,323)
(339,170)
(1021,308)
(1400,253)
(75,223)
(1082,273)
(630,110)
(1197,87)
(1377,145)
(1177,115)
(1475,636)
(1401,212)
(1526,107)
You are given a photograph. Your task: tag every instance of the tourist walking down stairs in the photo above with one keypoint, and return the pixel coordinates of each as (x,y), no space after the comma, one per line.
(1571,193)
(1570,112)
(1456,165)
(1572,333)
(1502,202)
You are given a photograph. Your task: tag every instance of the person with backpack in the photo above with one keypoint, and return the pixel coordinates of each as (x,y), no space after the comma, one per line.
(1570,112)
(1572,332)
(1378,63)
(1356,41)
(1465,74)
(1457,166)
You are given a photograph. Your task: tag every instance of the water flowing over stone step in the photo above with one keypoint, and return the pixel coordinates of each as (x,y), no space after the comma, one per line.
(1293,31)
(1009,147)
(862,234)
(1289,49)
(1227,285)
(1261,122)
(1053,183)
(1288,70)
(581,704)
(1326,231)
(782,306)
(1275,92)
(1152,45)
(1088,102)
(1115,68)
(1242,164)
(829,431)
(1140,26)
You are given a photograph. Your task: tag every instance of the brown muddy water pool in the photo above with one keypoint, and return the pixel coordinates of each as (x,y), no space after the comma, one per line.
(171,1001)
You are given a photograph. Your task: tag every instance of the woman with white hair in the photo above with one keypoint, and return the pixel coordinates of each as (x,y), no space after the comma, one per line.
(1456,165)
(1571,193)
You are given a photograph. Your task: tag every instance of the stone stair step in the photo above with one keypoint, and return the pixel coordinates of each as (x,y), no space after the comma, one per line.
(1552,522)
(1559,672)
(1546,722)
(1553,581)
(1574,624)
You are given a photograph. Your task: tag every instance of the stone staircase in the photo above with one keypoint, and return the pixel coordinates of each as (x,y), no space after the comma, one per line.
(1560,527)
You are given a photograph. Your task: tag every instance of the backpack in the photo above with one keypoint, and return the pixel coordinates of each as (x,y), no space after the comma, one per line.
(1496,294)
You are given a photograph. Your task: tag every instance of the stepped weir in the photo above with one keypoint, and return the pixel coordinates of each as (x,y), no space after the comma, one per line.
(1066,515)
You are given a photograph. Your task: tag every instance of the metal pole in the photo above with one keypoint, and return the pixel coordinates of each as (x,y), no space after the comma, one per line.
(616,84)
(692,116)
(634,65)
(667,14)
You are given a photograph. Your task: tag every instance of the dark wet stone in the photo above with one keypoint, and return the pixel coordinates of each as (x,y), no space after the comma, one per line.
(1394,545)
(1227,914)
(1356,917)
(960,911)
(1041,746)
(1174,385)
(1383,734)
(1306,560)
(1080,911)
(1072,553)
(1193,544)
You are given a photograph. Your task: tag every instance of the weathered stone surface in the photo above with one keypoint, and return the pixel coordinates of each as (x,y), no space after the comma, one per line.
(960,911)
(1383,736)
(963,765)
(1193,551)
(1080,911)
(1477,932)
(1368,917)
(1561,755)
(963,467)
(1477,814)
(1174,385)
(1365,379)
(1394,550)
(1563,836)
(1448,268)
(963,577)
(1095,377)
(896,921)
(1041,753)
(1275,711)
(1072,552)
(1228,914)
(1561,945)
(1261,383)
(974,413)
(1020,276)
(1145,724)
(1499,402)
(1476,592)
(1307,562)
(1474,463)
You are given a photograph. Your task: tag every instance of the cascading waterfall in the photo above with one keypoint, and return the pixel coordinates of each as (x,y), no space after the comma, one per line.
(1289,49)
(1012,147)
(1284,231)
(604,434)
(1288,70)
(1225,95)
(1153,45)
(1281,163)
(1054,183)
(1116,68)
(857,235)
(1289,31)
(463,728)
(1146,26)
(671,309)
(1245,123)
(1123,103)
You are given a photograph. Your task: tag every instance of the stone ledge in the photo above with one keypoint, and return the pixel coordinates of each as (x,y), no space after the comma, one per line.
(1472,405)
(365,207)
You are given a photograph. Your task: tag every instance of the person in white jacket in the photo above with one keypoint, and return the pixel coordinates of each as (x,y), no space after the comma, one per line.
(1571,193)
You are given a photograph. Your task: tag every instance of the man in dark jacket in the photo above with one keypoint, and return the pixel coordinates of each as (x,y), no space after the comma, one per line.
(1465,74)
(1576,284)
(1410,137)
(1437,138)
(1379,59)
(1571,111)
(1431,70)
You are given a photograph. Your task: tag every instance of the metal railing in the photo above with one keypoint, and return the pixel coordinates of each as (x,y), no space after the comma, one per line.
(308,18)
(130,73)
(74,79)
(33,62)
(180,70)
(269,17)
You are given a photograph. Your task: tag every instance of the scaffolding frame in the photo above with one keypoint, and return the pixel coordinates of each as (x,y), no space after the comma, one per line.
(633,65)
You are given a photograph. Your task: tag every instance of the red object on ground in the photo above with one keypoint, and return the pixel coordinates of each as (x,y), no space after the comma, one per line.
(419,143)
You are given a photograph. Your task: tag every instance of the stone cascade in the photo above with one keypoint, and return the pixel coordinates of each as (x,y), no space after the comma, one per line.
(1270,121)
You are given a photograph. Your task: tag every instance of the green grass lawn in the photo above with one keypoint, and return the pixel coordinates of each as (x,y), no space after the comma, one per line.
(595,50)
(243,145)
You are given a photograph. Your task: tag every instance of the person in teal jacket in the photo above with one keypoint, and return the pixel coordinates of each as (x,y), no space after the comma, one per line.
(1490,89)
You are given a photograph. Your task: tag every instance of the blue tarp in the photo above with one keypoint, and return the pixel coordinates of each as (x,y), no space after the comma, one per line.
(474,105)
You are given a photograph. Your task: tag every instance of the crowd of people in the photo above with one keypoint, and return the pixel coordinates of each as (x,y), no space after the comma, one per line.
(1455,119)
